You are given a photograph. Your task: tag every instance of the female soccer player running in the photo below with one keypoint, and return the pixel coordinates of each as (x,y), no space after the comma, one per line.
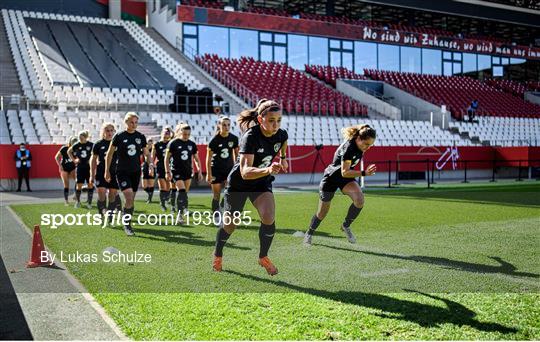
(80,154)
(179,166)
(97,171)
(129,145)
(340,174)
(251,177)
(220,156)
(147,179)
(66,167)
(158,156)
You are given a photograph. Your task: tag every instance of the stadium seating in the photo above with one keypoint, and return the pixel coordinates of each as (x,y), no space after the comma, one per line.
(330,74)
(457,93)
(298,93)
(40,65)
(500,131)
(514,87)
(54,127)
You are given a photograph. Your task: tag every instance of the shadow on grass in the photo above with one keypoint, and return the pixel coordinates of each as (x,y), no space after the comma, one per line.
(424,315)
(180,237)
(503,267)
(524,196)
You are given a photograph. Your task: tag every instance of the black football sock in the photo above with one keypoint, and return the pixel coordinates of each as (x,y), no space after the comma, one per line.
(162,197)
(101,206)
(66,193)
(215,205)
(352,214)
(150,193)
(221,239)
(266,235)
(181,200)
(172,197)
(118,202)
(78,195)
(90,195)
(315,222)
(128,211)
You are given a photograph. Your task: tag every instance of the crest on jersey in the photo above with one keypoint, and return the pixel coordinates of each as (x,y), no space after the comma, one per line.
(190,148)
(88,148)
(138,141)
(231,144)
(276,147)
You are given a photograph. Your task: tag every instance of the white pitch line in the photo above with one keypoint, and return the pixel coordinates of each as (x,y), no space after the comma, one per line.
(82,290)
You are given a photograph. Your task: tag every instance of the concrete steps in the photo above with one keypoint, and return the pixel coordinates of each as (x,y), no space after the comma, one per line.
(9,81)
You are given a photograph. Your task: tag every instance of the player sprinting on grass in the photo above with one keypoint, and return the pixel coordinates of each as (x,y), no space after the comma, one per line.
(180,154)
(251,177)
(341,174)
(158,156)
(80,154)
(221,153)
(66,167)
(97,170)
(129,145)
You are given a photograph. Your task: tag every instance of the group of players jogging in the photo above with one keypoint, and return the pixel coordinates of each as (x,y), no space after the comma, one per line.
(244,169)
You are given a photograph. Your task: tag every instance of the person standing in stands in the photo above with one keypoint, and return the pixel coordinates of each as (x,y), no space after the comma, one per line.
(220,157)
(251,177)
(129,145)
(341,175)
(147,179)
(23,161)
(80,153)
(471,111)
(158,156)
(66,167)
(179,157)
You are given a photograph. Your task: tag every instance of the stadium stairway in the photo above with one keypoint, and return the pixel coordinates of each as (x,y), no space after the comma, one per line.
(235,103)
(149,129)
(9,82)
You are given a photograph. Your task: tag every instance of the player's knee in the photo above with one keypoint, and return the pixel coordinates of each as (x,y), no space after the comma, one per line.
(359,202)
(267,217)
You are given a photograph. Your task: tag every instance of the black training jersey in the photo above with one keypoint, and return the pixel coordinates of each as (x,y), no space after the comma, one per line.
(181,152)
(264,150)
(222,151)
(100,149)
(66,160)
(83,152)
(129,148)
(160,148)
(346,151)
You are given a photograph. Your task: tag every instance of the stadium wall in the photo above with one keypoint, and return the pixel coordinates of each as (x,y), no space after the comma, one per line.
(410,159)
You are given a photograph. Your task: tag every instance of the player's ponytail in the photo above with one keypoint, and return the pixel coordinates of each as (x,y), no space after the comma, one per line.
(362,131)
(72,140)
(248,117)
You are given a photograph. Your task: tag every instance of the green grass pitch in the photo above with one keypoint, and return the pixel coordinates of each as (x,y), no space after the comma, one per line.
(446,263)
